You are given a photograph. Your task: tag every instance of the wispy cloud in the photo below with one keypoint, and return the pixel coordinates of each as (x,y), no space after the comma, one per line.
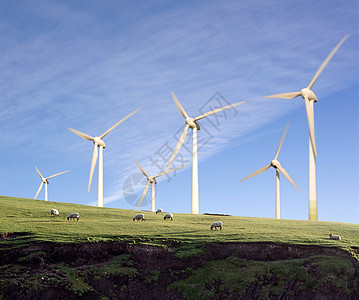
(80,71)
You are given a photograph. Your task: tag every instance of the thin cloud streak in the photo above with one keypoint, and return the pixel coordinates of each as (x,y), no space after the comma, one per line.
(72,77)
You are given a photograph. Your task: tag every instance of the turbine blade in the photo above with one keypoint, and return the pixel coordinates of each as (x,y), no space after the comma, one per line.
(143,194)
(57,174)
(178,146)
(310,117)
(281,140)
(257,172)
(93,164)
(179,106)
(165,172)
(142,170)
(38,191)
(119,122)
(290,95)
(38,172)
(285,173)
(325,62)
(81,134)
(218,110)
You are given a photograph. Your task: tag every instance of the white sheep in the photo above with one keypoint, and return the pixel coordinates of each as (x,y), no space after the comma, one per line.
(217,224)
(335,237)
(139,217)
(168,216)
(73,216)
(159,211)
(55,212)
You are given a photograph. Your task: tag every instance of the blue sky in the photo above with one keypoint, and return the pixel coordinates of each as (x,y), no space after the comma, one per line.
(87,64)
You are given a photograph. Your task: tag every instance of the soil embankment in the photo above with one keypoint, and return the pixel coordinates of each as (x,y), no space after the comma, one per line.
(116,270)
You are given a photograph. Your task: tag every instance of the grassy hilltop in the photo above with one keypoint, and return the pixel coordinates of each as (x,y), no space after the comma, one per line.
(251,258)
(103,224)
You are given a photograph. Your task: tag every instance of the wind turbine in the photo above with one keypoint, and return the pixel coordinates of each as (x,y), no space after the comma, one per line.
(45,180)
(278,167)
(99,143)
(193,124)
(152,180)
(309,98)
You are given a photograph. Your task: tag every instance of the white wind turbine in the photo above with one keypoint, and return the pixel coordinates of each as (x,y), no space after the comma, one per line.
(309,98)
(193,124)
(152,180)
(45,180)
(278,167)
(99,143)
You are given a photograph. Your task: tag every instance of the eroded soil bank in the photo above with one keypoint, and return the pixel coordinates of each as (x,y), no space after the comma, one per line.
(114,270)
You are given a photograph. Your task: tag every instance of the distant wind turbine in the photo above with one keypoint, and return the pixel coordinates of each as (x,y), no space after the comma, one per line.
(99,143)
(278,167)
(152,180)
(45,180)
(193,124)
(309,98)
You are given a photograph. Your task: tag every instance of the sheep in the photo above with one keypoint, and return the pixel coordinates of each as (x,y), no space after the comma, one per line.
(217,224)
(73,216)
(139,217)
(335,237)
(159,211)
(168,216)
(55,212)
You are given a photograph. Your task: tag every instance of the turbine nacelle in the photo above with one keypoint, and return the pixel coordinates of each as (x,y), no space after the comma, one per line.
(275,164)
(99,142)
(309,94)
(151,179)
(192,123)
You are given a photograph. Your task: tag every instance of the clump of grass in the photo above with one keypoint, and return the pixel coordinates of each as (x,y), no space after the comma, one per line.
(152,276)
(121,265)
(75,282)
(26,258)
(188,250)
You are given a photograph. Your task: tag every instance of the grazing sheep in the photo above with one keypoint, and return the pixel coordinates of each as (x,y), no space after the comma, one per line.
(335,237)
(139,217)
(55,212)
(73,216)
(217,224)
(159,211)
(168,216)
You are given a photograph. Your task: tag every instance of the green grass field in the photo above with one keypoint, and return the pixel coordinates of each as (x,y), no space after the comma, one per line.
(32,217)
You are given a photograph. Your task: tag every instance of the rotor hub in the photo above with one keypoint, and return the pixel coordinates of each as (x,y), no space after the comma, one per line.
(192,123)
(308,93)
(99,142)
(152,180)
(275,163)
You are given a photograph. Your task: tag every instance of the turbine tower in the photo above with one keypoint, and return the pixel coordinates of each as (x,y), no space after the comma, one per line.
(99,143)
(193,124)
(278,167)
(309,98)
(45,180)
(152,180)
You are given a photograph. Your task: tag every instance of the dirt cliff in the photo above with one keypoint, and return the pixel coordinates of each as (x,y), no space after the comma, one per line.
(116,270)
